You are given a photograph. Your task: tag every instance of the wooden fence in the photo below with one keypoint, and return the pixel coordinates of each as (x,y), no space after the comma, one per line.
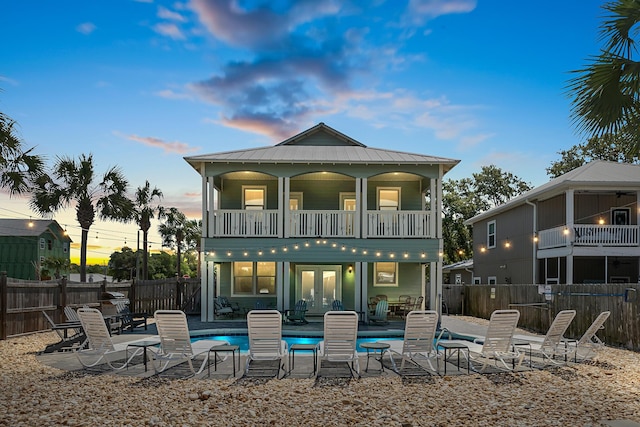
(22,302)
(538,307)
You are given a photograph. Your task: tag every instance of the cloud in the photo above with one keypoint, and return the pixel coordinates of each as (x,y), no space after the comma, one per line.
(86,28)
(170,94)
(167,147)
(419,11)
(170,30)
(170,15)
(8,80)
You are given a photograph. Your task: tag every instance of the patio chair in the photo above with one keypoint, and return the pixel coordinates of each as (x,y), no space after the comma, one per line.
(336,305)
(259,305)
(130,320)
(339,340)
(589,343)
(497,344)
(175,342)
(77,339)
(418,343)
(100,347)
(225,303)
(379,316)
(219,310)
(297,314)
(553,344)
(265,338)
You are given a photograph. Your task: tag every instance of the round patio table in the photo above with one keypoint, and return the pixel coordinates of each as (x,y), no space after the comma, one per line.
(372,350)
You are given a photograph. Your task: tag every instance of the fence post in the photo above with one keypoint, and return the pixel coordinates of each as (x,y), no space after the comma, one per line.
(3,305)
(63,293)
(178,294)
(132,296)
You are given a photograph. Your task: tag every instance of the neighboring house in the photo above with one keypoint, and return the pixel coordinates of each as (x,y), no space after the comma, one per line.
(319,217)
(581,227)
(459,273)
(24,245)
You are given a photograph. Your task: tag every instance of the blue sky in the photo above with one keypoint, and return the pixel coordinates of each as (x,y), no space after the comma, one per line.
(141,84)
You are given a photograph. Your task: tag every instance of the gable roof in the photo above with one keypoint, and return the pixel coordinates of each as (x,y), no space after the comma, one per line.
(21,228)
(596,175)
(317,145)
(464,264)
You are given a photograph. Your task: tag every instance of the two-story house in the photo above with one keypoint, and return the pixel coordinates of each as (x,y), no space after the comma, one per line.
(582,227)
(320,217)
(25,244)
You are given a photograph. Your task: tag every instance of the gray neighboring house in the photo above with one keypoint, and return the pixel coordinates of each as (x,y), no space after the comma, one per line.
(582,227)
(459,273)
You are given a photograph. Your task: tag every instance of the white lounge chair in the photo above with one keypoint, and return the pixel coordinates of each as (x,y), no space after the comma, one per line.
(497,344)
(100,347)
(553,344)
(265,338)
(589,343)
(339,342)
(418,344)
(175,342)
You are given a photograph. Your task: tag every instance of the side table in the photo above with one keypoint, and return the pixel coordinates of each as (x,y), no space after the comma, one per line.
(458,347)
(372,350)
(303,347)
(223,348)
(144,344)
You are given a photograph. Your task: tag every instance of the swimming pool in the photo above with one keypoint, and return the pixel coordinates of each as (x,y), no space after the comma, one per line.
(242,341)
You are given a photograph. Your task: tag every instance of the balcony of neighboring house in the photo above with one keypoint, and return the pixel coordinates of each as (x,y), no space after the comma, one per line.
(589,235)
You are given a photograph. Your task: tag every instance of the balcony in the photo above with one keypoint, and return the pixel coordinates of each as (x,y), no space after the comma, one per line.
(589,235)
(320,223)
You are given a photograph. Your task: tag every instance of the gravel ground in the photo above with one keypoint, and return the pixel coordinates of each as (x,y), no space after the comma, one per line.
(579,395)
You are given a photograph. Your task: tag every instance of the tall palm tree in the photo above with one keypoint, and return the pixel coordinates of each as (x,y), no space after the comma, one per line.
(172,231)
(19,167)
(193,237)
(73,182)
(606,93)
(143,211)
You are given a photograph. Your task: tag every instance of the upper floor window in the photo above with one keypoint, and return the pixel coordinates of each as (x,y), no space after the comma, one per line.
(491,234)
(41,243)
(64,248)
(49,244)
(254,278)
(295,201)
(388,199)
(254,198)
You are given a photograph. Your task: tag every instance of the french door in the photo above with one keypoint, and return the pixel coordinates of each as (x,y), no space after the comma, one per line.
(319,286)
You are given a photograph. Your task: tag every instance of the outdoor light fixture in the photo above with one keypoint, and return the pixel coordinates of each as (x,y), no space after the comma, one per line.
(507,244)
(350,268)
(601,221)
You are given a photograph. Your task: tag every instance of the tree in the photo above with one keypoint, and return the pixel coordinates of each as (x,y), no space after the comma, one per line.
(145,209)
(172,231)
(19,167)
(605,94)
(468,197)
(193,240)
(608,147)
(56,264)
(73,182)
(123,264)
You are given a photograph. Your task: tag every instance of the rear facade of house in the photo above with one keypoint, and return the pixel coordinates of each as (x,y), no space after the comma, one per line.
(319,217)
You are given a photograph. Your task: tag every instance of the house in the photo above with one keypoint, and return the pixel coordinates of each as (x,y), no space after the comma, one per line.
(459,273)
(319,217)
(581,227)
(24,245)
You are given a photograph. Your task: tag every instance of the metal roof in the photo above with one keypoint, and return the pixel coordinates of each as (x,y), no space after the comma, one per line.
(596,175)
(344,150)
(21,228)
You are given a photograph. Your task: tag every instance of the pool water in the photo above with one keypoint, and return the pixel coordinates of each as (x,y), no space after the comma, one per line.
(242,341)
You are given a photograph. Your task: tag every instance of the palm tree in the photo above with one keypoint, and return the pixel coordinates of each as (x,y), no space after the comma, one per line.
(193,237)
(143,211)
(606,93)
(19,168)
(172,231)
(72,182)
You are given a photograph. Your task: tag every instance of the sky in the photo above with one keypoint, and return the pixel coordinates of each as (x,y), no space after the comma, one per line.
(142,84)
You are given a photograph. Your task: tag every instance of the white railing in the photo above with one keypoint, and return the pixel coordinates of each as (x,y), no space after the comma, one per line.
(398,224)
(605,235)
(589,235)
(325,223)
(239,222)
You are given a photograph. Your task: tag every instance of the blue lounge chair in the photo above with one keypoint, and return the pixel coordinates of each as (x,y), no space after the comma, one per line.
(297,314)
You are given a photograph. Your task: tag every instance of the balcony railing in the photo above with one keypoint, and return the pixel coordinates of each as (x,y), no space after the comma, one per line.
(320,223)
(589,235)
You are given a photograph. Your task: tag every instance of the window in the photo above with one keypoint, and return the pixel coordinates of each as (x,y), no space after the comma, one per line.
(254,278)
(49,244)
(492,280)
(64,248)
(458,279)
(388,199)
(385,274)
(254,198)
(41,243)
(295,201)
(477,280)
(491,234)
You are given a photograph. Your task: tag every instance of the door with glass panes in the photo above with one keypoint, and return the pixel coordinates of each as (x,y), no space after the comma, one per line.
(319,286)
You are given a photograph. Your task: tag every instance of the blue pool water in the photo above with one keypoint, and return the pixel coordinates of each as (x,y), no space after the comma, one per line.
(243,342)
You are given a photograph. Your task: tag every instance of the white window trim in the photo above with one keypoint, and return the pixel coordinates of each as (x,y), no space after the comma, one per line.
(477,280)
(492,280)
(254,282)
(42,243)
(384,284)
(296,195)
(398,189)
(495,238)
(344,196)
(255,187)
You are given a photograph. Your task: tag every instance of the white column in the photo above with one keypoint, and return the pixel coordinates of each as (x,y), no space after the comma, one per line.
(433,292)
(286,285)
(433,208)
(358,217)
(363,289)
(207,291)
(569,207)
(283,207)
(423,284)
(363,208)
(281,290)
